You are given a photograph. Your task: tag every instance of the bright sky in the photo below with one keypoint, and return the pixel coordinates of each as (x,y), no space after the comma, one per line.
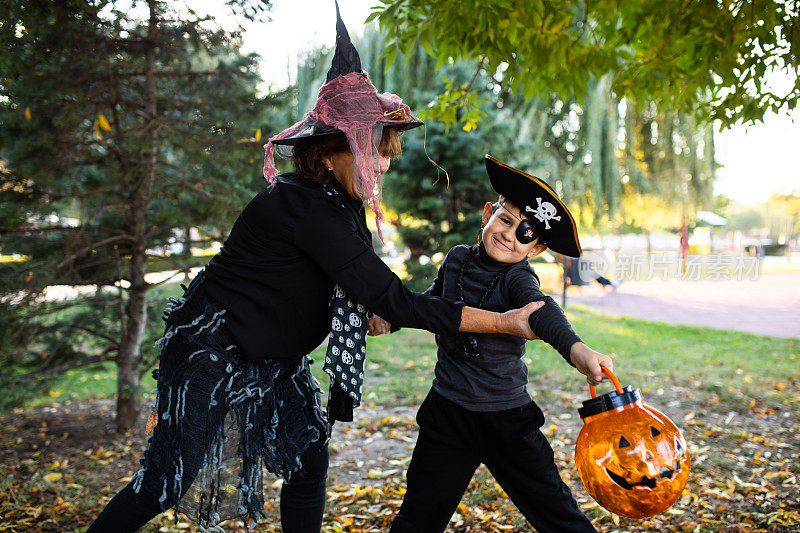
(756,160)
(760,159)
(300,25)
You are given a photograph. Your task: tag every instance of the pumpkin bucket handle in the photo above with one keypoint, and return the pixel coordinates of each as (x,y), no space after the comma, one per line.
(614,380)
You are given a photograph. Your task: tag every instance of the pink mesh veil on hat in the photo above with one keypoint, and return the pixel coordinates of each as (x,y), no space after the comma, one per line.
(348,103)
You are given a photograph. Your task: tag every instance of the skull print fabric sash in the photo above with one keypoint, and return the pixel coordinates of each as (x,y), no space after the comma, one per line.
(347,341)
(347,345)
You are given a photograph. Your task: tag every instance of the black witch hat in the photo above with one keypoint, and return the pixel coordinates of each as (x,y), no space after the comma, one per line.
(539,203)
(345,60)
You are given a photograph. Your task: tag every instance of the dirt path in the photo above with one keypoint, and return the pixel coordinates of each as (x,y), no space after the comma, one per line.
(769,305)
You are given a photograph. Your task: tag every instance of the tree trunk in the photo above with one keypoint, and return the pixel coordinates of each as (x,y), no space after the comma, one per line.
(128,376)
(187,254)
(187,241)
(130,355)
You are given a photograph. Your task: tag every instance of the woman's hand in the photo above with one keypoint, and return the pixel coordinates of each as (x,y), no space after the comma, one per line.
(516,321)
(377,326)
(588,362)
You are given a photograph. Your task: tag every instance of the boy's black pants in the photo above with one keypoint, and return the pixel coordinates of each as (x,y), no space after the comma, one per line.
(454,441)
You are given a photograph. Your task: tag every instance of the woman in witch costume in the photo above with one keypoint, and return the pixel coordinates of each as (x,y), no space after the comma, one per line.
(235,391)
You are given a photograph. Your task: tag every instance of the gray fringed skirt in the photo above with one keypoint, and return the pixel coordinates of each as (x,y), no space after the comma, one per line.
(222,418)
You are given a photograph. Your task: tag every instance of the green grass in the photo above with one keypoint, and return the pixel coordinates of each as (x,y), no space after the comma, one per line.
(159,264)
(100,380)
(81,383)
(736,366)
(13,258)
(653,354)
(781,266)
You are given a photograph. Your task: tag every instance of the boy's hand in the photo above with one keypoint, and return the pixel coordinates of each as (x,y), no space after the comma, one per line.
(377,326)
(588,362)
(516,320)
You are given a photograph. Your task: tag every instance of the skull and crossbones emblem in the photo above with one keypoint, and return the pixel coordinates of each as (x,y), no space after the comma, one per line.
(544,212)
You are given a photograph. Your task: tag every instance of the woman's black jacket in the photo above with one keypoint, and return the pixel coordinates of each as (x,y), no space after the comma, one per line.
(277,269)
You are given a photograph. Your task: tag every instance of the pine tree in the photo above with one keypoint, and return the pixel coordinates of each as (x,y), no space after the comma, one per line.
(116,131)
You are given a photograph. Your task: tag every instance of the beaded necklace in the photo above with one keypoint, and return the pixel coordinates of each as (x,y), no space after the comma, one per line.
(467,342)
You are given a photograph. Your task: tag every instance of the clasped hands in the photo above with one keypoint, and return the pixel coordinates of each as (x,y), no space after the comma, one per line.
(377,326)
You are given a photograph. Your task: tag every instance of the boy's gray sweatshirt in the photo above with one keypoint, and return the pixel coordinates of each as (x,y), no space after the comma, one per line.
(497,379)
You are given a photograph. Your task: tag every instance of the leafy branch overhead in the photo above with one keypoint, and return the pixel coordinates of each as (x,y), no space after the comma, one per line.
(731,61)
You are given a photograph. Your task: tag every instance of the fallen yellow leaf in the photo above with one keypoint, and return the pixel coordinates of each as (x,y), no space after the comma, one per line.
(52,477)
(103,122)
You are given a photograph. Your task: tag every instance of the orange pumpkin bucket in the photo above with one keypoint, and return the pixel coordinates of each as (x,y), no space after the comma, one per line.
(631,458)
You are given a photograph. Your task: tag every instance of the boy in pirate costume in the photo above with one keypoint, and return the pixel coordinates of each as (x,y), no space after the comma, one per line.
(478,410)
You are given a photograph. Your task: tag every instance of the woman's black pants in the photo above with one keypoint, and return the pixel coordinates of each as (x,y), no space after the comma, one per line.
(452,444)
(302,501)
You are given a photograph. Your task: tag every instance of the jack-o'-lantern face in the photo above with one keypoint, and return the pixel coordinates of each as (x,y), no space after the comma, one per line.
(633,460)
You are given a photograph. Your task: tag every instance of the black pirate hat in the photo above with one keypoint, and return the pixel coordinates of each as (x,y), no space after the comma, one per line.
(536,200)
(345,60)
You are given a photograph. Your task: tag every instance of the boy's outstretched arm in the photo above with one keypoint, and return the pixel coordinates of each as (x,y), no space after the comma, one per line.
(552,326)
(588,362)
(549,323)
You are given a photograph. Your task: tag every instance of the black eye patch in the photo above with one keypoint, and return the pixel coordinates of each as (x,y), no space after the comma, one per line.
(525,232)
